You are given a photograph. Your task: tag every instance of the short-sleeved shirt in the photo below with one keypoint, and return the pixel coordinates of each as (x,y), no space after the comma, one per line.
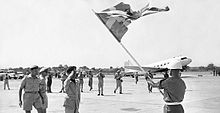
(174,89)
(72,98)
(6,77)
(100,77)
(118,76)
(30,84)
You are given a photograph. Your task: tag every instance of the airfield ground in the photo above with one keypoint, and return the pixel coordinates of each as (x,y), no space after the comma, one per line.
(202,96)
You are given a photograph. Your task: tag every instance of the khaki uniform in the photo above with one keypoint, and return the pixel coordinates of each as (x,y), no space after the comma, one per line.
(81,76)
(100,77)
(174,91)
(90,80)
(118,82)
(72,98)
(6,83)
(31,96)
(43,89)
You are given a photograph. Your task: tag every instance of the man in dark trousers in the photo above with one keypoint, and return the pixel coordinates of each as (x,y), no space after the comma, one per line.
(49,83)
(174,90)
(136,77)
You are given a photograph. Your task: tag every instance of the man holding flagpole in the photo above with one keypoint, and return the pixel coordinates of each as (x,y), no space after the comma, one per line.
(174,90)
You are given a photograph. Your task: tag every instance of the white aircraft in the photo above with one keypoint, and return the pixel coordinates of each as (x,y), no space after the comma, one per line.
(158,66)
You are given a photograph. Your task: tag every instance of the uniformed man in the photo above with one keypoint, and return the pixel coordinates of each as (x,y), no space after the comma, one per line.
(31,96)
(149,86)
(118,79)
(72,91)
(174,90)
(6,81)
(43,73)
(63,78)
(136,77)
(81,76)
(100,77)
(49,83)
(90,75)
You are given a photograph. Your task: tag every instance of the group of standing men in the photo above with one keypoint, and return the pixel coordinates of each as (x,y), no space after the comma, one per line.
(35,90)
(34,87)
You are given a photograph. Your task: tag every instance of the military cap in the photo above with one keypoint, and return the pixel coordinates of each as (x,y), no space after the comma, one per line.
(44,69)
(70,69)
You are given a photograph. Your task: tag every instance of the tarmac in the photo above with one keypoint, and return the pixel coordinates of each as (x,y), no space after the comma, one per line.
(202,96)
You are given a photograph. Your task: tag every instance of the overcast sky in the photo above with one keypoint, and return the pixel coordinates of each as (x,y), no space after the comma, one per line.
(53,32)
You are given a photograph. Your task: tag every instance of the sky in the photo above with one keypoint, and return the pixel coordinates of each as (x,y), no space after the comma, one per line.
(53,32)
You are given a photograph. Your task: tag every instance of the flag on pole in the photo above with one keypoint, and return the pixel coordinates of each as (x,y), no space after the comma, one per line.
(118,17)
(116,25)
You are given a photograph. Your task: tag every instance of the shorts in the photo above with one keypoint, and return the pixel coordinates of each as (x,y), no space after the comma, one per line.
(173,109)
(31,99)
(67,110)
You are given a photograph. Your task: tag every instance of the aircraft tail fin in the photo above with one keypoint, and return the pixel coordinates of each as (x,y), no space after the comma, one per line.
(127,63)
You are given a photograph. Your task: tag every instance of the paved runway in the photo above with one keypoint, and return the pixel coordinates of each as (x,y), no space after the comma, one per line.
(202,96)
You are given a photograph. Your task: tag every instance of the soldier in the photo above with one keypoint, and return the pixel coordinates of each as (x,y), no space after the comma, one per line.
(100,77)
(49,83)
(174,90)
(31,96)
(81,76)
(72,90)
(136,77)
(118,79)
(63,78)
(90,79)
(149,86)
(43,73)
(6,81)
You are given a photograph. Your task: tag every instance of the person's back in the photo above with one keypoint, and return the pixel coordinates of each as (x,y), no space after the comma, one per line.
(174,89)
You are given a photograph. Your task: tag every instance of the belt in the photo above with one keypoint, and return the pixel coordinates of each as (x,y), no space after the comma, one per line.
(173,103)
(34,92)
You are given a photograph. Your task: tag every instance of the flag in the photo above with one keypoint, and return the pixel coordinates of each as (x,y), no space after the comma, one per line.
(117,25)
(118,17)
(121,6)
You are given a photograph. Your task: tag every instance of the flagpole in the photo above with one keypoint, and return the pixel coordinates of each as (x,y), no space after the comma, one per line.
(138,65)
(119,40)
(134,60)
